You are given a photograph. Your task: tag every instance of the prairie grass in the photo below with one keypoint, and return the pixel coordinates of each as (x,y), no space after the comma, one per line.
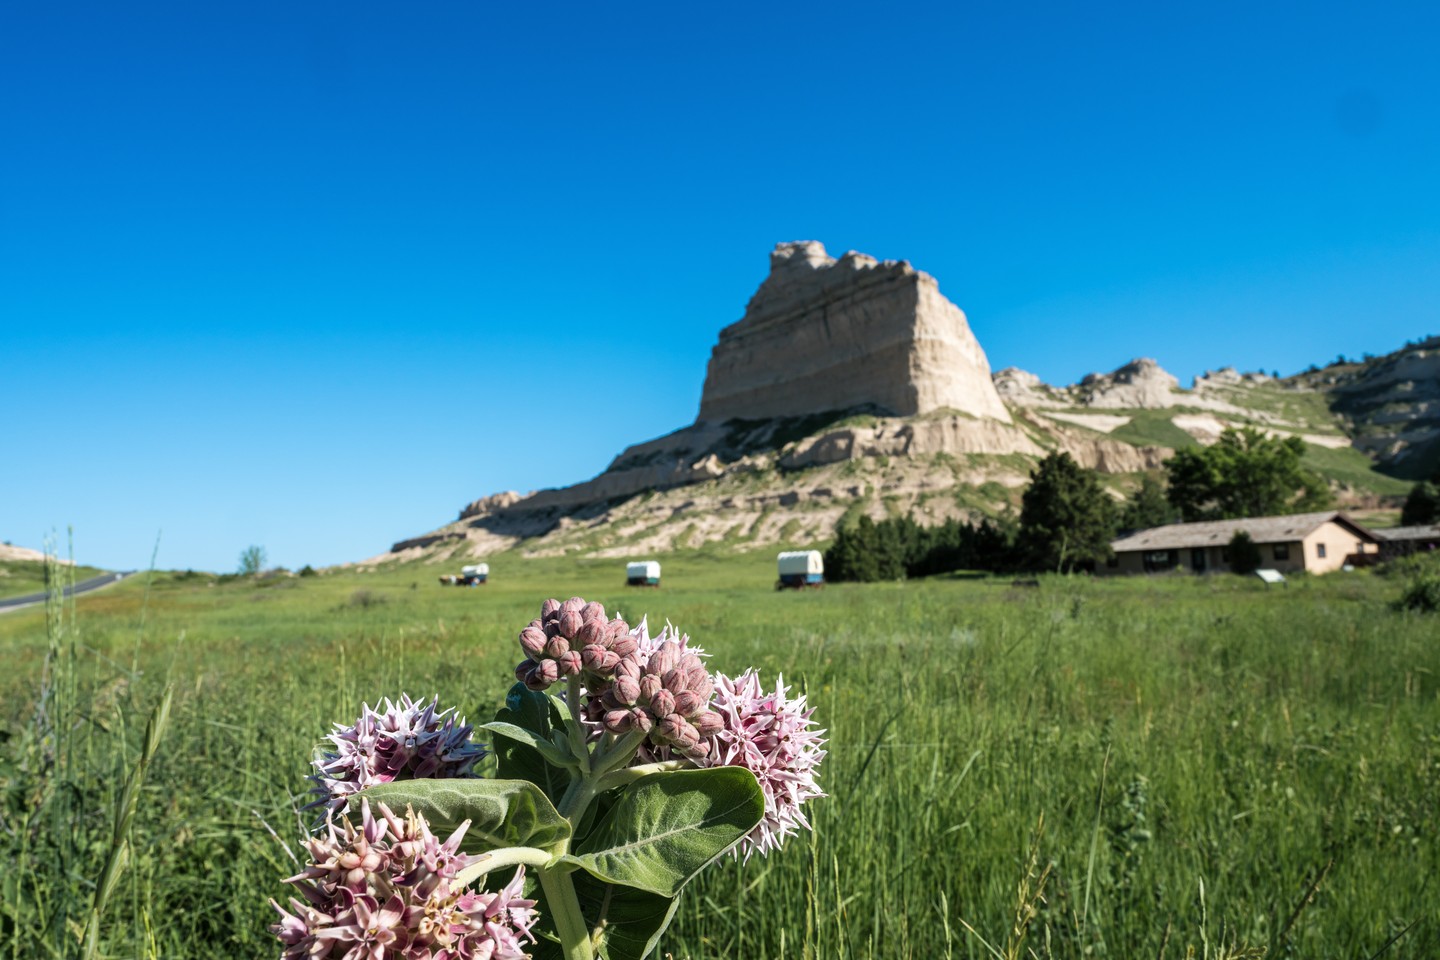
(1128,768)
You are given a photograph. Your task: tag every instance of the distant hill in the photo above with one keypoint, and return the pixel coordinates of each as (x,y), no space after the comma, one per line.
(10,552)
(852,385)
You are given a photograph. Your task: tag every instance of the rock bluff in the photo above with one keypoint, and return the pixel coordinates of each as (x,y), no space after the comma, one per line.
(823,334)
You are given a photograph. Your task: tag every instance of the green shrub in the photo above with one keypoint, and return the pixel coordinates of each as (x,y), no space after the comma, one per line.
(1421,593)
(1244,554)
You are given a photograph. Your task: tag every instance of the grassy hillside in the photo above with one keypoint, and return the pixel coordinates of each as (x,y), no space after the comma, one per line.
(19,577)
(1199,751)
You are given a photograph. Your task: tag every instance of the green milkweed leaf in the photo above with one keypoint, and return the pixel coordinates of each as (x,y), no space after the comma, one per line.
(665,828)
(517,760)
(502,813)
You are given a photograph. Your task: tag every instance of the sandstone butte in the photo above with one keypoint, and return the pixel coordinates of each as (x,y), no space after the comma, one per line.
(823,334)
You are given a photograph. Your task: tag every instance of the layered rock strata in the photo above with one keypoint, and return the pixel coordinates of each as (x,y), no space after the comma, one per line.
(825,334)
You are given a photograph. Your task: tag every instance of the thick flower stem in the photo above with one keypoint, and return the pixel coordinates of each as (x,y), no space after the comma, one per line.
(619,754)
(500,859)
(602,770)
(576,799)
(628,775)
(564,907)
(575,727)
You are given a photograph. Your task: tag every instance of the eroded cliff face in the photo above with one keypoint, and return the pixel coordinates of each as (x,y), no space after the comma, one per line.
(1391,405)
(825,334)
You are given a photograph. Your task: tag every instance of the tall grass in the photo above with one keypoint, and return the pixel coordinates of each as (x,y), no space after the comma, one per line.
(59,776)
(1125,768)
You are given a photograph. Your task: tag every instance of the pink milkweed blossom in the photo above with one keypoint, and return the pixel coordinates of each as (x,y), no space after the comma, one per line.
(389,891)
(773,737)
(405,741)
(646,645)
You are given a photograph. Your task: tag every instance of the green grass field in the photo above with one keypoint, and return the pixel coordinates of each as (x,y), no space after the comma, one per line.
(1200,752)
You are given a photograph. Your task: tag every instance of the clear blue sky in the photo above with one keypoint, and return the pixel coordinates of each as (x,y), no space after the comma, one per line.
(315,275)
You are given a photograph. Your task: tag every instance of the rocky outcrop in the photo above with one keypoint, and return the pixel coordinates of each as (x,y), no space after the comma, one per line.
(1021,388)
(10,553)
(910,438)
(490,504)
(825,334)
(1392,405)
(1139,385)
(1230,377)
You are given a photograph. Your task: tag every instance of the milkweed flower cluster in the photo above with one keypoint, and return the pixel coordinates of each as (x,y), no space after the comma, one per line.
(410,740)
(390,891)
(634,708)
(771,735)
(659,685)
(663,692)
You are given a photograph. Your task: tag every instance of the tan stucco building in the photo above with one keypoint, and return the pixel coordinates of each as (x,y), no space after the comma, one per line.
(1310,542)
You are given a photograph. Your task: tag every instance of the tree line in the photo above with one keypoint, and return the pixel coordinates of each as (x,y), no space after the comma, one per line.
(1067,519)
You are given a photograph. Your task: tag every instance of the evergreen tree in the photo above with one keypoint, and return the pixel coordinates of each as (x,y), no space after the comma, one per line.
(1243,553)
(1148,507)
(1422,506)
(1066,518)
(866,551)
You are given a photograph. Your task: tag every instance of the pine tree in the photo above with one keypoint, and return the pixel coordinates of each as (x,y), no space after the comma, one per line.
(1422,506)
(1066,518)
(1148,507)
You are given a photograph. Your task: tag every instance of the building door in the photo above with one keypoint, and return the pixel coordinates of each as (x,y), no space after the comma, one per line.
(1197,559)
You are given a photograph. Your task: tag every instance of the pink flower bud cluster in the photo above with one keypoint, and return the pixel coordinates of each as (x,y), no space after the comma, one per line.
(666,696)
(408,741)
(771,735)
(572,639)
(390,891)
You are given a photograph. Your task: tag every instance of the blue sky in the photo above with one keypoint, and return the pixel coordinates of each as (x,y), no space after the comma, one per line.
(315,275)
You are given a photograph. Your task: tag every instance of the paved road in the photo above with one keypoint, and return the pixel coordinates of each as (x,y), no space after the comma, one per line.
(84,586)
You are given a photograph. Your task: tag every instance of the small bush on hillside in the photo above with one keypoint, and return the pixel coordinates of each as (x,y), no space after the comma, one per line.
(1411,566)
(308,571)
(364,599)
(1421,593)
(1244,554)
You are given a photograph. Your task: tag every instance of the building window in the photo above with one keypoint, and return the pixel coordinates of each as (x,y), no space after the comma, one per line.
(1282,551)
(1156,560)
(1320,550)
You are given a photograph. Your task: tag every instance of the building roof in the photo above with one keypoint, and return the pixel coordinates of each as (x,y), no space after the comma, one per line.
(1431,532)
(1218,533)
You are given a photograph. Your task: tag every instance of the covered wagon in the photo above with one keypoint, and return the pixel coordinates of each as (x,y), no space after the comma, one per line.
(642,573)
(800,568)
